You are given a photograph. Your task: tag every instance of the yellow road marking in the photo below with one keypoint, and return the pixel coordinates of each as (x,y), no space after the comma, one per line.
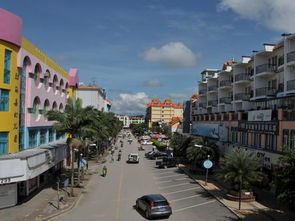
(119,196)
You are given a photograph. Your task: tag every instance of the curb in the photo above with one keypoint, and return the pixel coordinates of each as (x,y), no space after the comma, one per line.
(67,209)
(208,191)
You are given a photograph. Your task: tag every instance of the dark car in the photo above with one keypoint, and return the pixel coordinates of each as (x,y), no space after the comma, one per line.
(166,162)
(154,205)
(157,155)
(148,153)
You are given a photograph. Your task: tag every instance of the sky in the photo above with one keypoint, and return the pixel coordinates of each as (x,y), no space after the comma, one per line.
(138,49)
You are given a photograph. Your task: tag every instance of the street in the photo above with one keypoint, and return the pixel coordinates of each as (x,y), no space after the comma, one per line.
(112,198)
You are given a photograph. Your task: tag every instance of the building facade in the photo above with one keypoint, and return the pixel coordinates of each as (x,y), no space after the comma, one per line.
(93,96)
(250,104)
(158,111)
(31,84)
(128,120)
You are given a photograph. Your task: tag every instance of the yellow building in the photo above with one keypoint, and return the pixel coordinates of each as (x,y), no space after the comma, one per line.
(9,98)
(162,111)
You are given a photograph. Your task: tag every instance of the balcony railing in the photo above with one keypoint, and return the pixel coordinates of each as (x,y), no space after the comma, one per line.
(225,83)
(204,91)
(290,85)
(265,91)
(242,96)
(226,100)
(242,77)
(212,88)
(266,68)
(291,56)
(212,103)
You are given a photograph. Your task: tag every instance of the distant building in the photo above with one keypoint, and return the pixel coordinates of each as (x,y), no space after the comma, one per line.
(93,96)
(189,106)
(158,111)
(128,120)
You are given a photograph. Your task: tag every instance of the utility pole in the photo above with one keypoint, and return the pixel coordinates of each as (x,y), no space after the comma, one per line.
(57,192)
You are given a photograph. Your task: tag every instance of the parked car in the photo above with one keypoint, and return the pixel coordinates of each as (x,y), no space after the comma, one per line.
(157,155)
(133,158)
(154,205)
(146,142)
(148,153)
(166,162)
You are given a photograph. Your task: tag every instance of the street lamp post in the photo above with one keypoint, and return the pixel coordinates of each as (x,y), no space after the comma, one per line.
(207,172)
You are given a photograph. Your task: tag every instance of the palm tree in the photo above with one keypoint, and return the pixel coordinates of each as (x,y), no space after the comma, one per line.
(73,121)
(196,154)
(240,169)
(285,178)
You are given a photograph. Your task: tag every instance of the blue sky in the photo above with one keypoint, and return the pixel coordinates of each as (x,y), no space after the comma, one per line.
(137,49)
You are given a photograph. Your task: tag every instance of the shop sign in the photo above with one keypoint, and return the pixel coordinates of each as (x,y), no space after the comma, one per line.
(259,115)
(5,180)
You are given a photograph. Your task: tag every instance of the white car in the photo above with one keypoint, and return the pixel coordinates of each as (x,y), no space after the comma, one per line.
(133,158)
(146,142)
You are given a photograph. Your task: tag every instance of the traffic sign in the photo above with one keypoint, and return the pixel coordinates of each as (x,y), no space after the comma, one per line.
(207,164)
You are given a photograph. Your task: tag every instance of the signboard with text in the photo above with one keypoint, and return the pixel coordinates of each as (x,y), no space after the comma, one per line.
(259,115)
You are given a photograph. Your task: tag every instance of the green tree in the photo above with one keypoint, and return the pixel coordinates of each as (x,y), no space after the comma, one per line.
(240,169)
(285,178)
(139,128)
(73,122)
(196,154)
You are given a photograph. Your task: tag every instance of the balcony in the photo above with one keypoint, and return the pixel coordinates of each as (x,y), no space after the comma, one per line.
(290,85)
(242,78)
(265,91)
(212,88)
(242,96)
(266,69)
(225,83)
(225,100)
(291,58)
(203,92)
(212,103)
(203,105)
(281,60)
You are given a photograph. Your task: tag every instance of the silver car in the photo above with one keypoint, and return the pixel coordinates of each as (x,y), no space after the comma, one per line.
(154,205)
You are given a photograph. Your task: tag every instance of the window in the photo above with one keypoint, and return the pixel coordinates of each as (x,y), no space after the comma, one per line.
(36,108)
(3,142)
(257,140)
(32,138)
(51,135)
(42,136)
(7,61)
(4,100)
(37,74)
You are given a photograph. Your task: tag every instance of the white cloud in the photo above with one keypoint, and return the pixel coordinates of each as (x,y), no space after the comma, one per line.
(277,15)
(173,54)
(130,103)
(153,83)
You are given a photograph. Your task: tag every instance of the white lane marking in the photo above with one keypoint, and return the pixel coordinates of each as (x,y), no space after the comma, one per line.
(167,181)
(164,172)
(180,184)
(179,191)
(168,176)
(184,198)
(189,207)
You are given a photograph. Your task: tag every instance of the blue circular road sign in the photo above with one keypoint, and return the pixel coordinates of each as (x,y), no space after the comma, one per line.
(207,164)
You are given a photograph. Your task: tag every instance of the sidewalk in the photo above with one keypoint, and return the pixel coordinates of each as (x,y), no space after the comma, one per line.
(264,210)
(43,204)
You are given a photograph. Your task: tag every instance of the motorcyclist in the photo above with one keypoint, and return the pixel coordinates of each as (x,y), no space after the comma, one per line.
(119,155)
(104,171)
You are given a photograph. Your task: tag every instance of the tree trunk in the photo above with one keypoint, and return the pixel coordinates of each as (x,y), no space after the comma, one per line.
(72,172)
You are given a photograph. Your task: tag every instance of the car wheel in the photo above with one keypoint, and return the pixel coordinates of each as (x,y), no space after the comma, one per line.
(147,214)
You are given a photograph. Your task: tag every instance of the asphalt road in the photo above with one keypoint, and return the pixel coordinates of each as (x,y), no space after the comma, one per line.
(112,198)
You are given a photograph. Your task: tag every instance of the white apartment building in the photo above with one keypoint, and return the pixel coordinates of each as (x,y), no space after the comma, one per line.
(128,120)
(250,104)
(93,96)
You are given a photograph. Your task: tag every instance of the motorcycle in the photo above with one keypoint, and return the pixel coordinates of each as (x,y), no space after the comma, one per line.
(104,171)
